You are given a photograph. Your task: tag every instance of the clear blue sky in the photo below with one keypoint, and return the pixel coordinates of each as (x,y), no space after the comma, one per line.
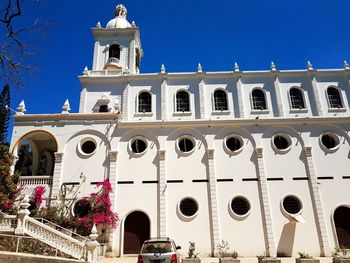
(182,33)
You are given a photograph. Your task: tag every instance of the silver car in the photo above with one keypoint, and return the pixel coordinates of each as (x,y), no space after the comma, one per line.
(159,250)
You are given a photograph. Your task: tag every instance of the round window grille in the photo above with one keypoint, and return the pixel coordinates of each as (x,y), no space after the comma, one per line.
(188,207)
(186,145)
(138,146)
(291,204)
(233,144)
(82,208)
(88,146)
(240,205)
(329,141)
(281,142)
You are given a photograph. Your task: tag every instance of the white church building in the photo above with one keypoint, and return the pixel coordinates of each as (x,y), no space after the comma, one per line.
(258,158)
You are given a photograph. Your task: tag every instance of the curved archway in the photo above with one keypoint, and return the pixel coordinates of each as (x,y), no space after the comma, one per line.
(136,231)
(342,226)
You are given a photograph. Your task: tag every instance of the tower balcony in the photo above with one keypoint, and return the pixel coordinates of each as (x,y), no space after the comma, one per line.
(113,64)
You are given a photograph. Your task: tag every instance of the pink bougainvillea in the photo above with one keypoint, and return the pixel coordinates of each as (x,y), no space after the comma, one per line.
(38,195)
(101,212)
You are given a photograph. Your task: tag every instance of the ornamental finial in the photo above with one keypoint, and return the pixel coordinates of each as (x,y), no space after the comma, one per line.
(236,67)
(21,109)
(98,25)
(66,107)
(199,68)
(120,10)
(273,66)
(309,65)
(346,65)
(85,71)
(162,69)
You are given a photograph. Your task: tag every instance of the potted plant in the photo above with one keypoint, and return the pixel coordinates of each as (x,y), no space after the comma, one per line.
(224,255)
(192,255)
(341,255)
(306,258)
(265,259)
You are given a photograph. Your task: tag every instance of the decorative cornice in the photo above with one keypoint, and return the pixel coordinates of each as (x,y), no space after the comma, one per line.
(210,154)
(307,151)
(113,156)
(58,157)
(161,155)
(259,152)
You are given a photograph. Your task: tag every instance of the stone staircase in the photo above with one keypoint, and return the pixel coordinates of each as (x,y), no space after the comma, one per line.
(22,224)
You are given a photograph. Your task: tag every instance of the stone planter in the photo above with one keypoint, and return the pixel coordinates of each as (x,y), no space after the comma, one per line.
(191,260)
(269,260)
(341,259)
(229,260)
(307,260)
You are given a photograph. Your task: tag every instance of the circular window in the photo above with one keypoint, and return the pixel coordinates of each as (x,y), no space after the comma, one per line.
(188,207)
(82,208)
(281,143)
(329,141)
(185,144)
(138,145)
(233,143)
(291,204)
(88,146)
(240,206)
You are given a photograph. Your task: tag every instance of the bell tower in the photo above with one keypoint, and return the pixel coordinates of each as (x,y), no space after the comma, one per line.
(117,46)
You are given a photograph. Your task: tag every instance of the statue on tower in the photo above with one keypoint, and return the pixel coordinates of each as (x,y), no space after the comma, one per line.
(120,10)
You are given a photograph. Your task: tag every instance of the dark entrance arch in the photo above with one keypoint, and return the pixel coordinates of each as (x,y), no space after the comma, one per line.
(136,231)
(342,226)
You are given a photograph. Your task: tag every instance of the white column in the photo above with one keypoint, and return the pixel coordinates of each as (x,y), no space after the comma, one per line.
(57,176)
(240,97)
(162,232)
(113,195)
(316,95)
(164,98)
(15,159)
(276,84)
(213,201)
(317,202)
(264,197)
(202,100)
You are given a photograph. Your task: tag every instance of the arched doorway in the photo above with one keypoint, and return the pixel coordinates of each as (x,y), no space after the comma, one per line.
(342,226)
(136,231)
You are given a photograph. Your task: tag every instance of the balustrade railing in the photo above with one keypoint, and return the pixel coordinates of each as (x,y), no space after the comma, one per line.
(8,223)
(36,180)
(104,73)
(113,60)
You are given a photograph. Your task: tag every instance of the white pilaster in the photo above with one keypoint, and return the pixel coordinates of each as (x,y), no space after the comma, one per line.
(94,60)
(125,110)
(164,97)
(316,95)
(241,105)
(317,202)
(202,100)
(82,100)
(57,176)
(264,196)
(276,84)
(131,62)
(213,201)
(113,195)
(162,194)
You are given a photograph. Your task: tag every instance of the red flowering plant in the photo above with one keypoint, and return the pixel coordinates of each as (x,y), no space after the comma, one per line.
(95,209)
(36,199)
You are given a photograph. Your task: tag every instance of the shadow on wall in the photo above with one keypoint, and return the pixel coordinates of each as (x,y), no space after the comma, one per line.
(286,242)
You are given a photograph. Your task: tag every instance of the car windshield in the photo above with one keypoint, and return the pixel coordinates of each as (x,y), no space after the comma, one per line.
(157,247)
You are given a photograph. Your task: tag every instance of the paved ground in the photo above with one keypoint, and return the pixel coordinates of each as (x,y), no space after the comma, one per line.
(207,260)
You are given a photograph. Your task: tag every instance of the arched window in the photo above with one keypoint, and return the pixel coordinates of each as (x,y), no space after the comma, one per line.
(182,101)
(145,102)
(334,98)
(258,99)
(296,99)
(220,100)
(114,51)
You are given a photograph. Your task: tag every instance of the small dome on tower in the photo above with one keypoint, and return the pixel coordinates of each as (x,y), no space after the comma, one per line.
(120,18)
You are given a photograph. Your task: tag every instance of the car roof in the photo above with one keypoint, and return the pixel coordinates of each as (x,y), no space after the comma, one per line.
(159,239)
